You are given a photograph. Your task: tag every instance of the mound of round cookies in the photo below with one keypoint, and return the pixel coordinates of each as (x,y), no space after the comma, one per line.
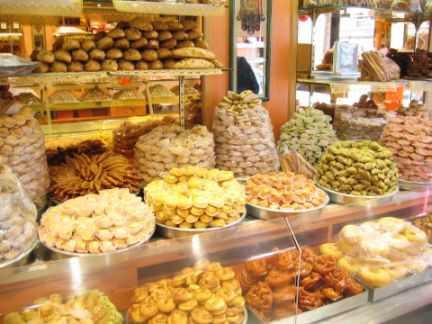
(410,141)
(206,293)
(197,198)
(17,218)
(244,136)
(382,251)
(358,168)
(308,132)
(283,191)
(172,146)
(112,220)
(22,148)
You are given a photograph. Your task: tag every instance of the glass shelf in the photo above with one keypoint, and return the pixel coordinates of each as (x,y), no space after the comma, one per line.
(68,8)
(169,7)
(393,15)
(342,87)
(52,79)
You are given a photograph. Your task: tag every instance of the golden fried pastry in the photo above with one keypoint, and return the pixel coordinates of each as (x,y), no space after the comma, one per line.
(63,56)
(139,43)
(122,43)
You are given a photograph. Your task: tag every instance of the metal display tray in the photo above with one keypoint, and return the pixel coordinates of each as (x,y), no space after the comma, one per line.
(267,213)
(376,294)
(323,312)
(57,254)
(414,185)
(174,232)
(346,199)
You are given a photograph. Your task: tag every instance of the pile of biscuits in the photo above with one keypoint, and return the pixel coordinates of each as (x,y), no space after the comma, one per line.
(206,293)
(97,223)
(140,44)
(244,136)
(197,198)
(22,148)
(82,174)
(90,307)
(127,134)
(171,146)
(17,218)
(380,251)
(410,140)
(358,168)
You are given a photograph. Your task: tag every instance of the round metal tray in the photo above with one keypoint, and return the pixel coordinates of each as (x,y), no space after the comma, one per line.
(23,259)
(174,232)
(346,199)
(414,185)
(267,213)
(57,254)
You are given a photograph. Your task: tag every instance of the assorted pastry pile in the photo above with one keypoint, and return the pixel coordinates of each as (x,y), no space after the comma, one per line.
(308,133)
(172,146)
(91,307)
(410,140)
(160,91)
(112,220)
(61,142)
(82,174)
(382,251)
(414,109)
(140,44)
(425,224)
(358,168)
(283,191)
(63,96)
(270,288)
(409,5)
(22,148)
(206,293)
(17,218)
(197,198)
(127,134)
(413,64)
(375,67)
(244,136)
(362,121)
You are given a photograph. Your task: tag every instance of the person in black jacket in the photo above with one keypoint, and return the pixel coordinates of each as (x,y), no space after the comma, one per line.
(246,79)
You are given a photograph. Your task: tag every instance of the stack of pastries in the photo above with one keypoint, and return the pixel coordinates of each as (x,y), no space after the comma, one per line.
(111,220)
(172,146)
(83,174)
(144,43)
(283,190)
(269,283)
(197,198)
(91,307)
(382,251)
(206,293)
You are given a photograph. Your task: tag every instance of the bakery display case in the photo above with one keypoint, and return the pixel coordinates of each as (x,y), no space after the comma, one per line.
(245,248)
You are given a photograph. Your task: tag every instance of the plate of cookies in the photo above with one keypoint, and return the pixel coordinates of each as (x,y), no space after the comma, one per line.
(193,200)
(281,194)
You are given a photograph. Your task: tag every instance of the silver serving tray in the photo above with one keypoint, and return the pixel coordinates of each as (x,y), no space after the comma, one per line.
(174,232)
(376,294)
(56,254)
(323,312)
(11,65)
(414,185)
(267,213)
(346,199)
(22,260)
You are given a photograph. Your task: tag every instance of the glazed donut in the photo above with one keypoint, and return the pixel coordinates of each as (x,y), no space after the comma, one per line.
(399,242)
(331,249)
(392,224)
(352,234)
(415,235)
(278,279)
(396,271)
(375,277)
(257,267)
(349,264)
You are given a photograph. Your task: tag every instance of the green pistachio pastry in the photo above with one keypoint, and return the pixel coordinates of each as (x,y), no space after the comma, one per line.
(308,133)
(358,168)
